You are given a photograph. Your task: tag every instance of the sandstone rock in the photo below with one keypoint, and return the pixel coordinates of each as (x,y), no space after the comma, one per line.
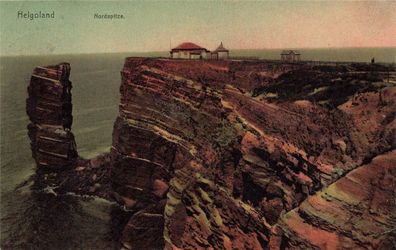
(50,111)
(227,165)
(326,223)
(81,168)
(160,188)
(341,145)
(142,230)
(95,163)
(129,203)
(199,163)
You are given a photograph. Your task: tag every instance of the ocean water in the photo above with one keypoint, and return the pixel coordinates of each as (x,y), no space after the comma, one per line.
(35,220)
(40,220)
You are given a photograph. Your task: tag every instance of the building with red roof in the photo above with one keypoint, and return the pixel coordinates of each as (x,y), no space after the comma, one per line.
(189,50)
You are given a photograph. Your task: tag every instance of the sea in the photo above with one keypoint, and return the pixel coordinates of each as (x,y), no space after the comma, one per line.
(45,220)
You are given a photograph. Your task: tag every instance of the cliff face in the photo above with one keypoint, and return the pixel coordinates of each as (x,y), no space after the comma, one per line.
(201,163)
(49,108)
(234,154)
(172,134)
(355,212)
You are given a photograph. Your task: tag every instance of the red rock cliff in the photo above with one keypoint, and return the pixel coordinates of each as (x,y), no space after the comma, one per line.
(203,164)
(235,154)
(49,109)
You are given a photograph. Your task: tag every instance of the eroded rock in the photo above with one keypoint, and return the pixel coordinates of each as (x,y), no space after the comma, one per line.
(202,158)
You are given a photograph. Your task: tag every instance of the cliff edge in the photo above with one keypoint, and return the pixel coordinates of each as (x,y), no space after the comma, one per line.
(237,154)
(203,163)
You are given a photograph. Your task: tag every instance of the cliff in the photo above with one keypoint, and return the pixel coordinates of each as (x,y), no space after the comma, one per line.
(240,154)
(355,212)
(204,164)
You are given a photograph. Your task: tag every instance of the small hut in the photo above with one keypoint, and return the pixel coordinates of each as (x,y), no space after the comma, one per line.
(290,56)
(220,52)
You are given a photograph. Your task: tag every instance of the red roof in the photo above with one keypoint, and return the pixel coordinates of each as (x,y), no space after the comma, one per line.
(188,46)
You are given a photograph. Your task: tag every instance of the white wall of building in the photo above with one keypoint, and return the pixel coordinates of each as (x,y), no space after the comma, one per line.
(175,55)
(186,54)
(222,55)
(194,56)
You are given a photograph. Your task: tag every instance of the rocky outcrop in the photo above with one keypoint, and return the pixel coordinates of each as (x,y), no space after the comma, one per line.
(234,154)
(292,150)
(193,151)
(171,130)
(216,167)
(49,108)
(355,212)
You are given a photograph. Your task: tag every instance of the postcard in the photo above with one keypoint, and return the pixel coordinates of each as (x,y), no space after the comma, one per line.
(176,124)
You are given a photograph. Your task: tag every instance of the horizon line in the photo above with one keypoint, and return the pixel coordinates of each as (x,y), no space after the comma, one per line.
(162,51)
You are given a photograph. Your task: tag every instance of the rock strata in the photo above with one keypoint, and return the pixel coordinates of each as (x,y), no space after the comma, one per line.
(49,107)
(235,154)
(233,165)
(355,212)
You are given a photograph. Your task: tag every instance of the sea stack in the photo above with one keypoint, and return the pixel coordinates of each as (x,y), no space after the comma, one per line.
(49,109)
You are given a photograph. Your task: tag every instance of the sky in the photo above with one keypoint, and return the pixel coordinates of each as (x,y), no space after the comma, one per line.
(159,25)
